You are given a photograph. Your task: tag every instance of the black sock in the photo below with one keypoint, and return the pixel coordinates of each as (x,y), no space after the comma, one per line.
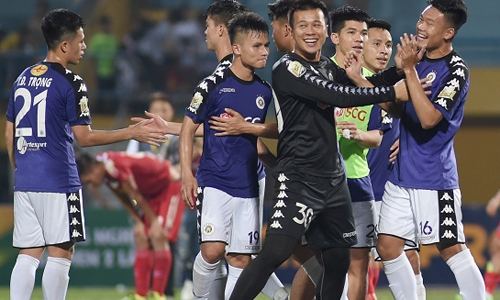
(277,249)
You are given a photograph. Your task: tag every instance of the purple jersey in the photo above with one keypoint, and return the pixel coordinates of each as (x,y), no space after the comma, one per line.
(46,100)
(229,163)
(426,159)
(378,158)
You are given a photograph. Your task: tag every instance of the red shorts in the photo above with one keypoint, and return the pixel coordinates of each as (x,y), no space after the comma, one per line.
(169,207)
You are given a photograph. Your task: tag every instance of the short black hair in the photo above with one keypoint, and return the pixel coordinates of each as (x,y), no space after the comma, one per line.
(279,9)
(222,11)
(339,16)
(84,163)
(58,23)
(378,23)
(245,23)
(306,5)
(455,11)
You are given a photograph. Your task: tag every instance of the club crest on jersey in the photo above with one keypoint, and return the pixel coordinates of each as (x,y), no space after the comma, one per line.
(84,107)
(296,68)
(339,112)
(39,70)
(431,76)
(209,229)
(195,102)
(260,102)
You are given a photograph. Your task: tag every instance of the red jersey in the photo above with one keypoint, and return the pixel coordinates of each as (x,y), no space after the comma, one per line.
(151,174)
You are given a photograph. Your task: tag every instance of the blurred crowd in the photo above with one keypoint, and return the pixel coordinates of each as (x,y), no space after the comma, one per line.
(163,50)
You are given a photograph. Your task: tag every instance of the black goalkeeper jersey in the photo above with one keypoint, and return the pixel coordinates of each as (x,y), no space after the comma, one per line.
(306,96)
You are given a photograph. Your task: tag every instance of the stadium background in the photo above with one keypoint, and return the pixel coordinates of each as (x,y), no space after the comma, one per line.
(162,48)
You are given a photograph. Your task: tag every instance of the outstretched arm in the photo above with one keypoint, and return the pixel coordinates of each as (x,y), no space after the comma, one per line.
(366,139)
(169,127)
(146,131)
(236,125)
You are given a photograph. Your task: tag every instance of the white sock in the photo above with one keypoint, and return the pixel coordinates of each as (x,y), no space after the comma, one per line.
(203,276)
(22,279)
(232,277)
(346,288)
(469,279)
(274,287)
(313,269)
(420,287)
(55,278)
(219,285)
(401,278)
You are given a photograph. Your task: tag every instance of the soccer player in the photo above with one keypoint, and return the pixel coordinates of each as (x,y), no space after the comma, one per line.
(217,17)
(422,200)
(311,195)
(303,286)
(47,109)
(356,135)
(227,198)
(492,274)
(154,184)
(377,51)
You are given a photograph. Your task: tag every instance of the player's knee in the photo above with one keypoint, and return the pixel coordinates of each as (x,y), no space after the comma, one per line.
(140,238)
(212,253)
(389,247)
(449,250)
(238,261)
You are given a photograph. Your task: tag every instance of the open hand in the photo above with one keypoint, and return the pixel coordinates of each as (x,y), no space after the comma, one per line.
(232,123)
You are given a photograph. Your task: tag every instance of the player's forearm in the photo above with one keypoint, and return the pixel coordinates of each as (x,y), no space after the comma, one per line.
(131,188)
(175,129)
(428,115)
(145,207)
(9,141)
(127,204)
(266,130)
(186,148)
(370,139)
(361,81)
(103,137)
(266,156)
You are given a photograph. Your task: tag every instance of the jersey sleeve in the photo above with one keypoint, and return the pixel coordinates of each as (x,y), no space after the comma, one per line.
(387,77)
(77,101)
(379,120)
(290,77)
(453,89)
(200,103)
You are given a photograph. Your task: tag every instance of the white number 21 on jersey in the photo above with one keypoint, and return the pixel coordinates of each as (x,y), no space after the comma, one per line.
(40,100)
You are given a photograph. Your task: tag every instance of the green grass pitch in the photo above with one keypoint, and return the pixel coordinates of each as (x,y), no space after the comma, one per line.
(105,293)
